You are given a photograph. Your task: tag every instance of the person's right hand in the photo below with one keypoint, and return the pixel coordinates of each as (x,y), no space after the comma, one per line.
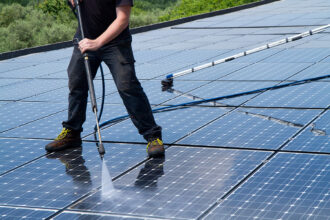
(72,2)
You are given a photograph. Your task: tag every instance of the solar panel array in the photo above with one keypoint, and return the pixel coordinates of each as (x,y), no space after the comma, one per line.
(259,156)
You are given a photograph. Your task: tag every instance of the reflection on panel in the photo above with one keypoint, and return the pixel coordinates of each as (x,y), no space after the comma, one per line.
(315,138)
(251,129)
(289,186)
(15,152)
(299,55)
(95,216)
(23,213)
(219,89)
(59,179)
(267,71)
(49,127)
(183,185)
(30,88)
(15,114)
(309,95)
(175,124)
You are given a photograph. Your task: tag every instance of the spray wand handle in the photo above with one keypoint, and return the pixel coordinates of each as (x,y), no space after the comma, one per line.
(90,80)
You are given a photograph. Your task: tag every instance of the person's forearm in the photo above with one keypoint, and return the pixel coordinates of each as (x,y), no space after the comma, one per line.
(112,31)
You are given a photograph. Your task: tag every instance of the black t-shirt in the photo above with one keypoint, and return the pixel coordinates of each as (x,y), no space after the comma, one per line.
(97,15)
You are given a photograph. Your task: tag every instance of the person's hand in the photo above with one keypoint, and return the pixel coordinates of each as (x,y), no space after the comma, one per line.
(72,2)
(89,45)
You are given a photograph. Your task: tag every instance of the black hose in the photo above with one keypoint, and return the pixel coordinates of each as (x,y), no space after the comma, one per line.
(186,104)
(103,94)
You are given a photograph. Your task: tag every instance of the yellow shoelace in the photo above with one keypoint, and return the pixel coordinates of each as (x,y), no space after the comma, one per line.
(154,142)
(63,134)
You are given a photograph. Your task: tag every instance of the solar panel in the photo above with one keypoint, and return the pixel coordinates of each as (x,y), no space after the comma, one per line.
(8,82)
(315,138)
(251,129)
(174,126)
(34,71)
(97,216)
(15,152)
(315,70)
(300,55)
(223,88)
(21,213)
(59,179)
(48,127)
(216,72)
(268,71)
(16,114)
(182,186)
(29,88)
(310,95)
(263,155)
(290,186)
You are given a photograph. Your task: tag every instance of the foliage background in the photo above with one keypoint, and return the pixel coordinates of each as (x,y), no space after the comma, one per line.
(30,23)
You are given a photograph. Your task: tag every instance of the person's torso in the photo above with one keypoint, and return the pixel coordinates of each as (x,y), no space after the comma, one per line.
(97,15)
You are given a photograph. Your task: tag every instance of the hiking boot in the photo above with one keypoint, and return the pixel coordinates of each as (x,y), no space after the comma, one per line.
(66,139)
(155,148)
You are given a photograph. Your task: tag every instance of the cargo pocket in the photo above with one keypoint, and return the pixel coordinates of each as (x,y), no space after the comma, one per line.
(125,53)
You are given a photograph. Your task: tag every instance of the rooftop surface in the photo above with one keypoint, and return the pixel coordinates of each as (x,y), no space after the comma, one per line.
(259,156)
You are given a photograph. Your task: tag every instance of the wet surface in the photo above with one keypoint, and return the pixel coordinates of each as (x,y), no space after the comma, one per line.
(263,155)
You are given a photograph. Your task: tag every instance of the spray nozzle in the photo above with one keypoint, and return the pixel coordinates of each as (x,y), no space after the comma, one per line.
(101,150)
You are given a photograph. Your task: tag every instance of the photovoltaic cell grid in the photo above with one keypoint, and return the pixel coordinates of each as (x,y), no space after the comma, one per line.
(290,186)
(21,213)
(58,179)
(177,187)
(265,156)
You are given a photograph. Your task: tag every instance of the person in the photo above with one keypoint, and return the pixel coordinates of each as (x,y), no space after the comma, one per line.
(108,39)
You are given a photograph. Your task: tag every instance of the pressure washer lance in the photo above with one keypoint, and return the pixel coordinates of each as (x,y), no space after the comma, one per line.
(168,81)
(90,82)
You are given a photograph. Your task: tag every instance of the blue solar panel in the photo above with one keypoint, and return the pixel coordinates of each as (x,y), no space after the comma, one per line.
(182,186)
(146,56)
(23,213)
(50,126)
(213,73)
(259,56)
(267,71)
(222,88)
(35,71)
(290,186)
(60,95)
(315,138)
(8,82)
(95,216)
(315,70)
(310,95)
(155,94)
(15,152)
(191,56)
(262,129)
(174,126)
(18,113)
(11,65)
(58,179)
(268,159)
(28,88)
(299,55)
(152,70)
(326,60)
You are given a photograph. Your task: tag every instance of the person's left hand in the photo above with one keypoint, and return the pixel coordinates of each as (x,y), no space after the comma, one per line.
(88,45)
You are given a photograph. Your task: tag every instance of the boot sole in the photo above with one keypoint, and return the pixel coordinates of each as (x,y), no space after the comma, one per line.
(157,153)
(65,146)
